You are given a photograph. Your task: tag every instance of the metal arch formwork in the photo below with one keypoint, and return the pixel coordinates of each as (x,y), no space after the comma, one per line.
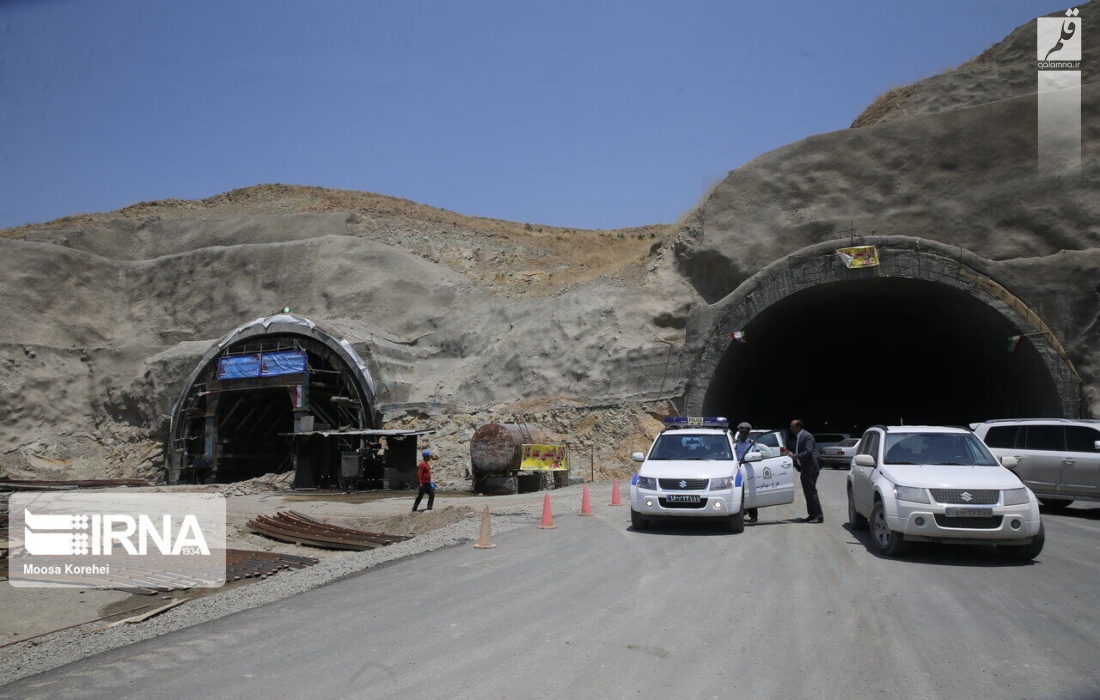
(900,257)
(230,428)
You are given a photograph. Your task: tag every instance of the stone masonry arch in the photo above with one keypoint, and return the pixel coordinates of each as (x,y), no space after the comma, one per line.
(953,303)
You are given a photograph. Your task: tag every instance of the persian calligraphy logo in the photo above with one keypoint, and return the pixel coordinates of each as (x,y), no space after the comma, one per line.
(1058,42)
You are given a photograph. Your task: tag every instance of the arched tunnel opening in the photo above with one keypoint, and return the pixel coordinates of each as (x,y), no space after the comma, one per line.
(845,355)
(255,407)
(252,426)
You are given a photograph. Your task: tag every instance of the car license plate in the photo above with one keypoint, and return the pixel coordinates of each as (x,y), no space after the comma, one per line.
(681,498)
(968,512)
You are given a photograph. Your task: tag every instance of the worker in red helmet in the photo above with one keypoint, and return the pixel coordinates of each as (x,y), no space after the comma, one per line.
(424,479)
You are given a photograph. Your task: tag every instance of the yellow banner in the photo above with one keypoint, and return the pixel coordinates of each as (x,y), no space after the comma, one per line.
(543,458)
(859,256)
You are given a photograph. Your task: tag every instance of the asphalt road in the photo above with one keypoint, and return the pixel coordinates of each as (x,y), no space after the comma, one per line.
(592,609)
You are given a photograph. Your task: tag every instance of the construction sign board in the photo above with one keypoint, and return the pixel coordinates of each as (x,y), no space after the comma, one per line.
(543,458)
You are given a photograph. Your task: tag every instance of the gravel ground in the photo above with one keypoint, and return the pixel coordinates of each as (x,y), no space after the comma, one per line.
(507,513)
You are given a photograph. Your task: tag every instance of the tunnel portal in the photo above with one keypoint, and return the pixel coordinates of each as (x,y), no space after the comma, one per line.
(851,354)
(255,399)
(922,339)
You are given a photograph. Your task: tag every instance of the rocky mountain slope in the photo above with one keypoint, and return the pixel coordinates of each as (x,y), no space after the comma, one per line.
(588,333)
(106,313)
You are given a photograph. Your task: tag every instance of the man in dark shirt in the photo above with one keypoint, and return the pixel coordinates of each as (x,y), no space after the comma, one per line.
(804,452)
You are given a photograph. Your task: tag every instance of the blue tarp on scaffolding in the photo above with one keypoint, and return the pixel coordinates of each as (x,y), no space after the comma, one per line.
(287,362)
(265,364)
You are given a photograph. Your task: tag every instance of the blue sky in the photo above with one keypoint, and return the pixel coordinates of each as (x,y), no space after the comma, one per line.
(588,114)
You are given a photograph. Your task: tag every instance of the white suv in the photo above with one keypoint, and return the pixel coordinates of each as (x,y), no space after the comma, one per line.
(939,484)
(1058,458)
(691,472)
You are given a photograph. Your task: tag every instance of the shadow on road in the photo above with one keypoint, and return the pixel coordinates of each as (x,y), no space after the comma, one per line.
(972,555)
(1090,511)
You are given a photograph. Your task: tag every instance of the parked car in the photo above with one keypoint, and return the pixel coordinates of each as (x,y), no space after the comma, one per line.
(690,472)
(1058,458)
(839,456)
(939,484)
(830,439)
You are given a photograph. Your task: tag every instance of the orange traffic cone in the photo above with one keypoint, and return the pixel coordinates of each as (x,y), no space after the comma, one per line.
(615,499)
(484,536)
(547,516)
(586,502)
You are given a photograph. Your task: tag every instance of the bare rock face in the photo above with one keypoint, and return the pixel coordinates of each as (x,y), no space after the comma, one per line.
(1003,71)
(967,178)
(107,314)
(104,315)
(951,160)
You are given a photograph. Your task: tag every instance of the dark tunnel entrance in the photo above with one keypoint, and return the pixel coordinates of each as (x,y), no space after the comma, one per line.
(252,425)
(849,354)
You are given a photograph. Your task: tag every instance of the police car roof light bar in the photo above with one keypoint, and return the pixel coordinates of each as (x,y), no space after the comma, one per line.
(696,422)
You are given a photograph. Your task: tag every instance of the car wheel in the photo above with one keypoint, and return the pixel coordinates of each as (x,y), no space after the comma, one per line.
(1055,505)
(1024,552)
(885,541)
(857,521)
(736,522)
(637,521)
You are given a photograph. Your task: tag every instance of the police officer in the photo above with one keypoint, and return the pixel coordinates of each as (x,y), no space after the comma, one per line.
(741,446)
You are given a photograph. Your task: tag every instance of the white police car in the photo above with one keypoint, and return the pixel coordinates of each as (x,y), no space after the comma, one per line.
(691,471)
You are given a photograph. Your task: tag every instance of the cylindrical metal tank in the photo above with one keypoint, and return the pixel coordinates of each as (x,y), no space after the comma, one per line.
(495,447)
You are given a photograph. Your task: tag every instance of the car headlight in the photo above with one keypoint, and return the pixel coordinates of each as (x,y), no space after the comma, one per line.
(647,482)
(722,484)
(911,493)
(1015,497)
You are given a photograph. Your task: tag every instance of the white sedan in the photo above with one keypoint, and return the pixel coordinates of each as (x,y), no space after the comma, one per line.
(839,455)
(939,484)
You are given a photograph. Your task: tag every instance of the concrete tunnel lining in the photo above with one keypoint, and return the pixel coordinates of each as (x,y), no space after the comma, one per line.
(270,405)
(810,324)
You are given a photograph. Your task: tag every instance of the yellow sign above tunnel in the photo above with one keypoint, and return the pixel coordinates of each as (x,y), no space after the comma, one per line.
(859,256)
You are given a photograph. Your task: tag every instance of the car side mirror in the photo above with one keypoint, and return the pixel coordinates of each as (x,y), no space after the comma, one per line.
(753,456)
(1009,461)
(638,457)
(864,460)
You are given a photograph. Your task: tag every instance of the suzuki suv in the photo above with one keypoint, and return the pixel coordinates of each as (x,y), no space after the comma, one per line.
(939,484)
(1058,458)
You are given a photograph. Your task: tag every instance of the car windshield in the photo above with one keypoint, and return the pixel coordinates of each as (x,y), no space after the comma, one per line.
(678,446)
(850,442)
(937,448)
